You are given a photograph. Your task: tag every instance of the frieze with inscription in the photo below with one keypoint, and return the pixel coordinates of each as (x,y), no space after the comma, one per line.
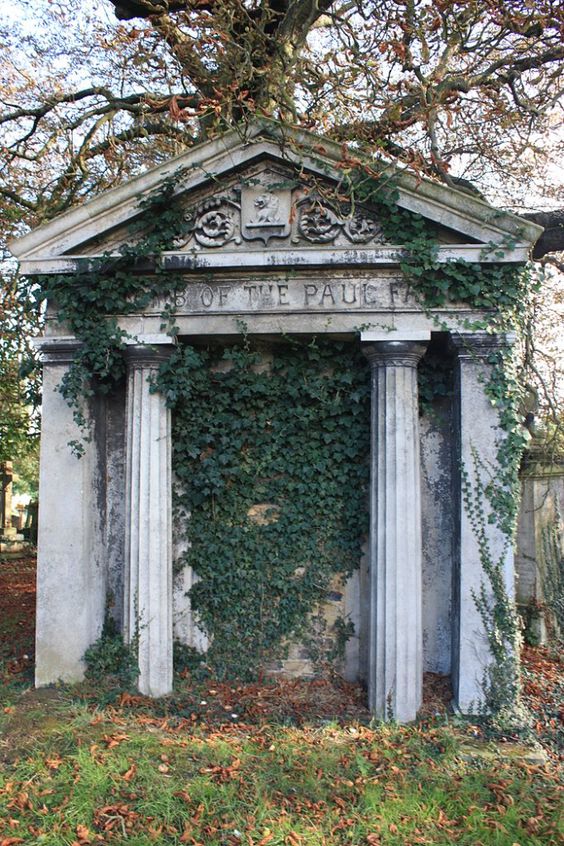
(266,211)
(287,296)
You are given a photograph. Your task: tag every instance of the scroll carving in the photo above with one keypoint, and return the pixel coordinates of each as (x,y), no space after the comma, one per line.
(214,226)
(361,229)
(261,212)
(318,224)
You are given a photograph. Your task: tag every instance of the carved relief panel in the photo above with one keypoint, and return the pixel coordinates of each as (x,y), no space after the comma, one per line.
(271,208)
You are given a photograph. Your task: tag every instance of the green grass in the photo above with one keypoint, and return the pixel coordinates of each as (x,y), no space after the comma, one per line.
(73,773)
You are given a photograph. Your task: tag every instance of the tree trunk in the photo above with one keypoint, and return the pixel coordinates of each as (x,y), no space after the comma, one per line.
(552,239)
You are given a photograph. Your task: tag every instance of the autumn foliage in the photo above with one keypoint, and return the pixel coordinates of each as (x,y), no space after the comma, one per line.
(453,88)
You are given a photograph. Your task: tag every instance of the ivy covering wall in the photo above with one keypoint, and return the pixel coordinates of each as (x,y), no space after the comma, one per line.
(271,456)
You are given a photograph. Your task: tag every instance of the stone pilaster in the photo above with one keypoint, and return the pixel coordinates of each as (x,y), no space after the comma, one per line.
(71,577)
(148,541)
(395,637)
(479,437)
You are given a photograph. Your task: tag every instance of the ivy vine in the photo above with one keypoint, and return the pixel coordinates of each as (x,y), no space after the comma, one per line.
(271,461)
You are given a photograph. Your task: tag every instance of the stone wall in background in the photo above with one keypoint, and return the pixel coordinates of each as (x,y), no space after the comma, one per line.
(540,544)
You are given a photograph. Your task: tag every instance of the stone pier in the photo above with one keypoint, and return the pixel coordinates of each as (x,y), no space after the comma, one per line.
(478,440)
(71,580)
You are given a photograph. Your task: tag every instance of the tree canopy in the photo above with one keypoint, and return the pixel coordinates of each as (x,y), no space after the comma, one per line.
(464,91)
(457,89)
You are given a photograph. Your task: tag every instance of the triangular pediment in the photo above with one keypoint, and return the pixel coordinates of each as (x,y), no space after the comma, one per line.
(265,205)
(271,198)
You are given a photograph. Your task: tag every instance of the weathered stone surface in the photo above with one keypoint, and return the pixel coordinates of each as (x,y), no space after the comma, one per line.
(502,752)
(479,435)
(10,539)
(110,436)
(6,482)
(184,621)
(71,585)
(262,249)
(438,536)
(541,515)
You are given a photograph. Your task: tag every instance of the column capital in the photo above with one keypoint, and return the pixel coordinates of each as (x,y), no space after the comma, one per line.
(394,353)
(479,345)
(148,351)
(57,350)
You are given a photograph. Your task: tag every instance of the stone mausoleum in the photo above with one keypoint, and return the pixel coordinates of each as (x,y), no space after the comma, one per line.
(266,247)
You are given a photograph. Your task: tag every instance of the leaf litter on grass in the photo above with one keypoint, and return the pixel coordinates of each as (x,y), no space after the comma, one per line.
(17,619)
(128,773)
(543,694)
(284,762)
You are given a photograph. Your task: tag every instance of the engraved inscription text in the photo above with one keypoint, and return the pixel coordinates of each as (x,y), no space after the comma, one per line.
(240,297)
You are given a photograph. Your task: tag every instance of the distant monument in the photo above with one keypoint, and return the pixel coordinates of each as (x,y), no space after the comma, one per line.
(10,539)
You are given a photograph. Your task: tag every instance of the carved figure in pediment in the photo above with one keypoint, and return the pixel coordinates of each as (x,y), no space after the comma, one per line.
(265,213)
(268,208)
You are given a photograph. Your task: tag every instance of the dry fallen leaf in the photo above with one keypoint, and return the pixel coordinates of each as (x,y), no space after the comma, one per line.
(127,776)
(83,834)
(114,739)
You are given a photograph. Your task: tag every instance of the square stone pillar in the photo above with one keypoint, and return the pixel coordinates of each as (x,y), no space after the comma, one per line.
(148,519)
(71,576)
(395,648)
(6,482)
(478,435)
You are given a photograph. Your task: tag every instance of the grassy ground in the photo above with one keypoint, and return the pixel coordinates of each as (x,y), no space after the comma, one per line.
(287,763)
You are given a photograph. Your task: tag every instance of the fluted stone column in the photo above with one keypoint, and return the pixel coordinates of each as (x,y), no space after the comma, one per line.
(148,542)
(395,632)
(478,435)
